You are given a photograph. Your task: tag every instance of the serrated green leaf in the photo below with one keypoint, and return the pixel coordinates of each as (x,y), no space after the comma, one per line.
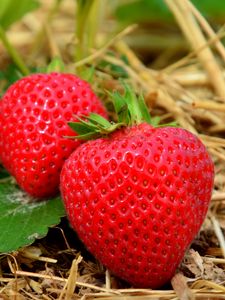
(98,120)
(88,136)
(121,107)
(82,127)
(144,109)
(21,222)
(11,12)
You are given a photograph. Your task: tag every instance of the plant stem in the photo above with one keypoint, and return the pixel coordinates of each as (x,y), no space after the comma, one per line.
(89,14)
(83,9)
(94,21)
(13,53)
(41,34)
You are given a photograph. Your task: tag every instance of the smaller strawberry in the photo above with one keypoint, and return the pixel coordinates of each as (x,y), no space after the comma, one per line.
(137,196)
(34,114)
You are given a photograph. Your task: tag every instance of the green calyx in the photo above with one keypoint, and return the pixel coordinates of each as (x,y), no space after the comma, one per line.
(92,126)
(130,110)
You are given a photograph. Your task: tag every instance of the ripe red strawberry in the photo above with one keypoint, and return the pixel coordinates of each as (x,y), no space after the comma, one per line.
(138,197)
(33,121)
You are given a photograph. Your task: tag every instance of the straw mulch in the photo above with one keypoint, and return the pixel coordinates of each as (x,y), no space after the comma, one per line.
(191,91)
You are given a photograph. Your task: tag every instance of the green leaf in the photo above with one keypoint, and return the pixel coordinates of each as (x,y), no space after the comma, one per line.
(143,11)
(9,76)
(11,12)
(87,136)
(121,107)
(157,11)
(113,69)
(87,74)
(82,127)
(3,173)
(99,120)
(21,222)
(155,121)
(90,127)
(144,109)
(130,110)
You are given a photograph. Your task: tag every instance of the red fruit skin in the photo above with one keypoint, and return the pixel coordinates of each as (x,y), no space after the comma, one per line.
(34,114)
(138,198)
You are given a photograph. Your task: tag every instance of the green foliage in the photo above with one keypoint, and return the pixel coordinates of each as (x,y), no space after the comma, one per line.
(12,11)
(84,8)
(113,69)
(92,127)
(157,10)
(129,109)
(12,74)
(3,173)
(88,74)
(56,65)
(8,76)
(211,9)
(142,11)
(21,221)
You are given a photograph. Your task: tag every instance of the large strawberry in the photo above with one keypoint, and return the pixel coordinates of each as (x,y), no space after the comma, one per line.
(33,120)
(138,196)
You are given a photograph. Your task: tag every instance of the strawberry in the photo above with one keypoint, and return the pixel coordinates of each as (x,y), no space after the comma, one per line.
(33,121)
(138,196)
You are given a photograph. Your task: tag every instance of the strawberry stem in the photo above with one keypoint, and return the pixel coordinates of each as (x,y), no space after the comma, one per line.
(13,53)
(86,26)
